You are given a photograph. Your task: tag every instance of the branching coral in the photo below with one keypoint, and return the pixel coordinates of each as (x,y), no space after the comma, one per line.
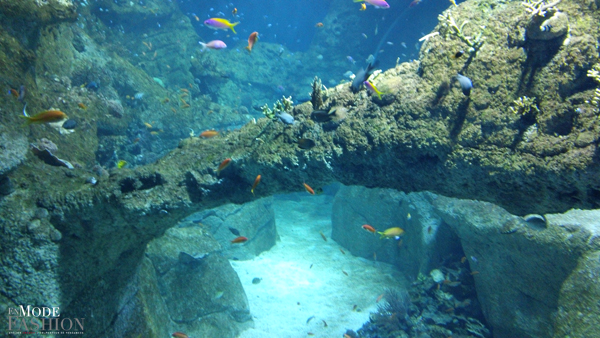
(525,105)
(594,73)
(539,7)
(284,105)
(316,97)
(449,23)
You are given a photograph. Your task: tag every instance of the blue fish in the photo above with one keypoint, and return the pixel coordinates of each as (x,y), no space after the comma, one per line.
(465,84)
(285,118)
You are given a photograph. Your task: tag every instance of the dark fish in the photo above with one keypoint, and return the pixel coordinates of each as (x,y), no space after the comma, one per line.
(465,84)
(321,116)
(256,280)
(309,319)
(92,85)
(70,124)
(234,231)
(546,28)
(21,94)
(458,54)
(362,76)
(306,143)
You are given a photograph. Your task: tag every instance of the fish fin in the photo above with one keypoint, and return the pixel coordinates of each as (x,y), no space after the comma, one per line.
(28,122)
(203,46)
(359,0)
(248,48)
(233,25)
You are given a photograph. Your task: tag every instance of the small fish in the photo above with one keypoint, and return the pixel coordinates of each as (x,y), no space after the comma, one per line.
(251,41)
(354,307)
(153,133)
(218,23)
(454,3)
(234,11)
(429,229)
(319,25)
(408,217)
(463,260)
(345,273)
(166,100)
(223,165)
(474,273)
(219,294)
(22,92)
(363,7)
(148,125)
(465,84)
(372,87)
(323,236)
(546,28)
(82,106)
(209,133)
(390,43)
(310,334)
(376,3)
(240,239)
(234,231)
(179,335)
(379,298)
(214,44)
(121,164)
(344,252)
(364,36)
(448,310)
(375,256)
(474,259)
(324,323)
(350,59)
(311,266)
(197,18)
(414,3)
(308,189)
(13,92)
(392,233)
(458,54)
(309,319)
(256,181)
(369,228)
(306,143)
(45,117)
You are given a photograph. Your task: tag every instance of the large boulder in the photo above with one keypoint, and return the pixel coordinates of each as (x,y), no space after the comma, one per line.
(254,220)
(525,272)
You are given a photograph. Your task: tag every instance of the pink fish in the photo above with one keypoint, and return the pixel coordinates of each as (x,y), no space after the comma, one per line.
(376,3)
(214,44)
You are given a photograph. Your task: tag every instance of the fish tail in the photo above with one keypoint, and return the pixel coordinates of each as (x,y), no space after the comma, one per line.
(249,49)
(359,0)
(28,122)
(203,46)
(233,25)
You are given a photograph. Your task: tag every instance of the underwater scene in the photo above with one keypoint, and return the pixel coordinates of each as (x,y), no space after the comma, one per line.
(300,168)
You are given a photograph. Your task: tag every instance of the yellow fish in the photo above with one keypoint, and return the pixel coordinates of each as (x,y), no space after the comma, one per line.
(121,164)
(372,87)
(219,23)
(391,233)
(363,7)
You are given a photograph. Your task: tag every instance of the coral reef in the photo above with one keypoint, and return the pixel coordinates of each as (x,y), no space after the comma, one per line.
(525,105)
(284,105)
(316,96)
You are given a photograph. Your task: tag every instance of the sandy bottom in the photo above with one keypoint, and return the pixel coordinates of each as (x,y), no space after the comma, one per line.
(291,291)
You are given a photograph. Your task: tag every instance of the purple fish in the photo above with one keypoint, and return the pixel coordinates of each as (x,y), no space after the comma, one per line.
(214,44)
(376,3)
(218,23)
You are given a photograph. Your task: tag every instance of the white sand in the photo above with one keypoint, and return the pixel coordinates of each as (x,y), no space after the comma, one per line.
(323,291)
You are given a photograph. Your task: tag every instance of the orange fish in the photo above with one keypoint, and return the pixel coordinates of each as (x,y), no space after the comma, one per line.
(223,165)
(13,93)
(184,90)
(319,25)
(82,106)
(308,189)
(240,239)
(209,133)
(45,117)
(369,228)
(179,335)
(256,181)
(251,41)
